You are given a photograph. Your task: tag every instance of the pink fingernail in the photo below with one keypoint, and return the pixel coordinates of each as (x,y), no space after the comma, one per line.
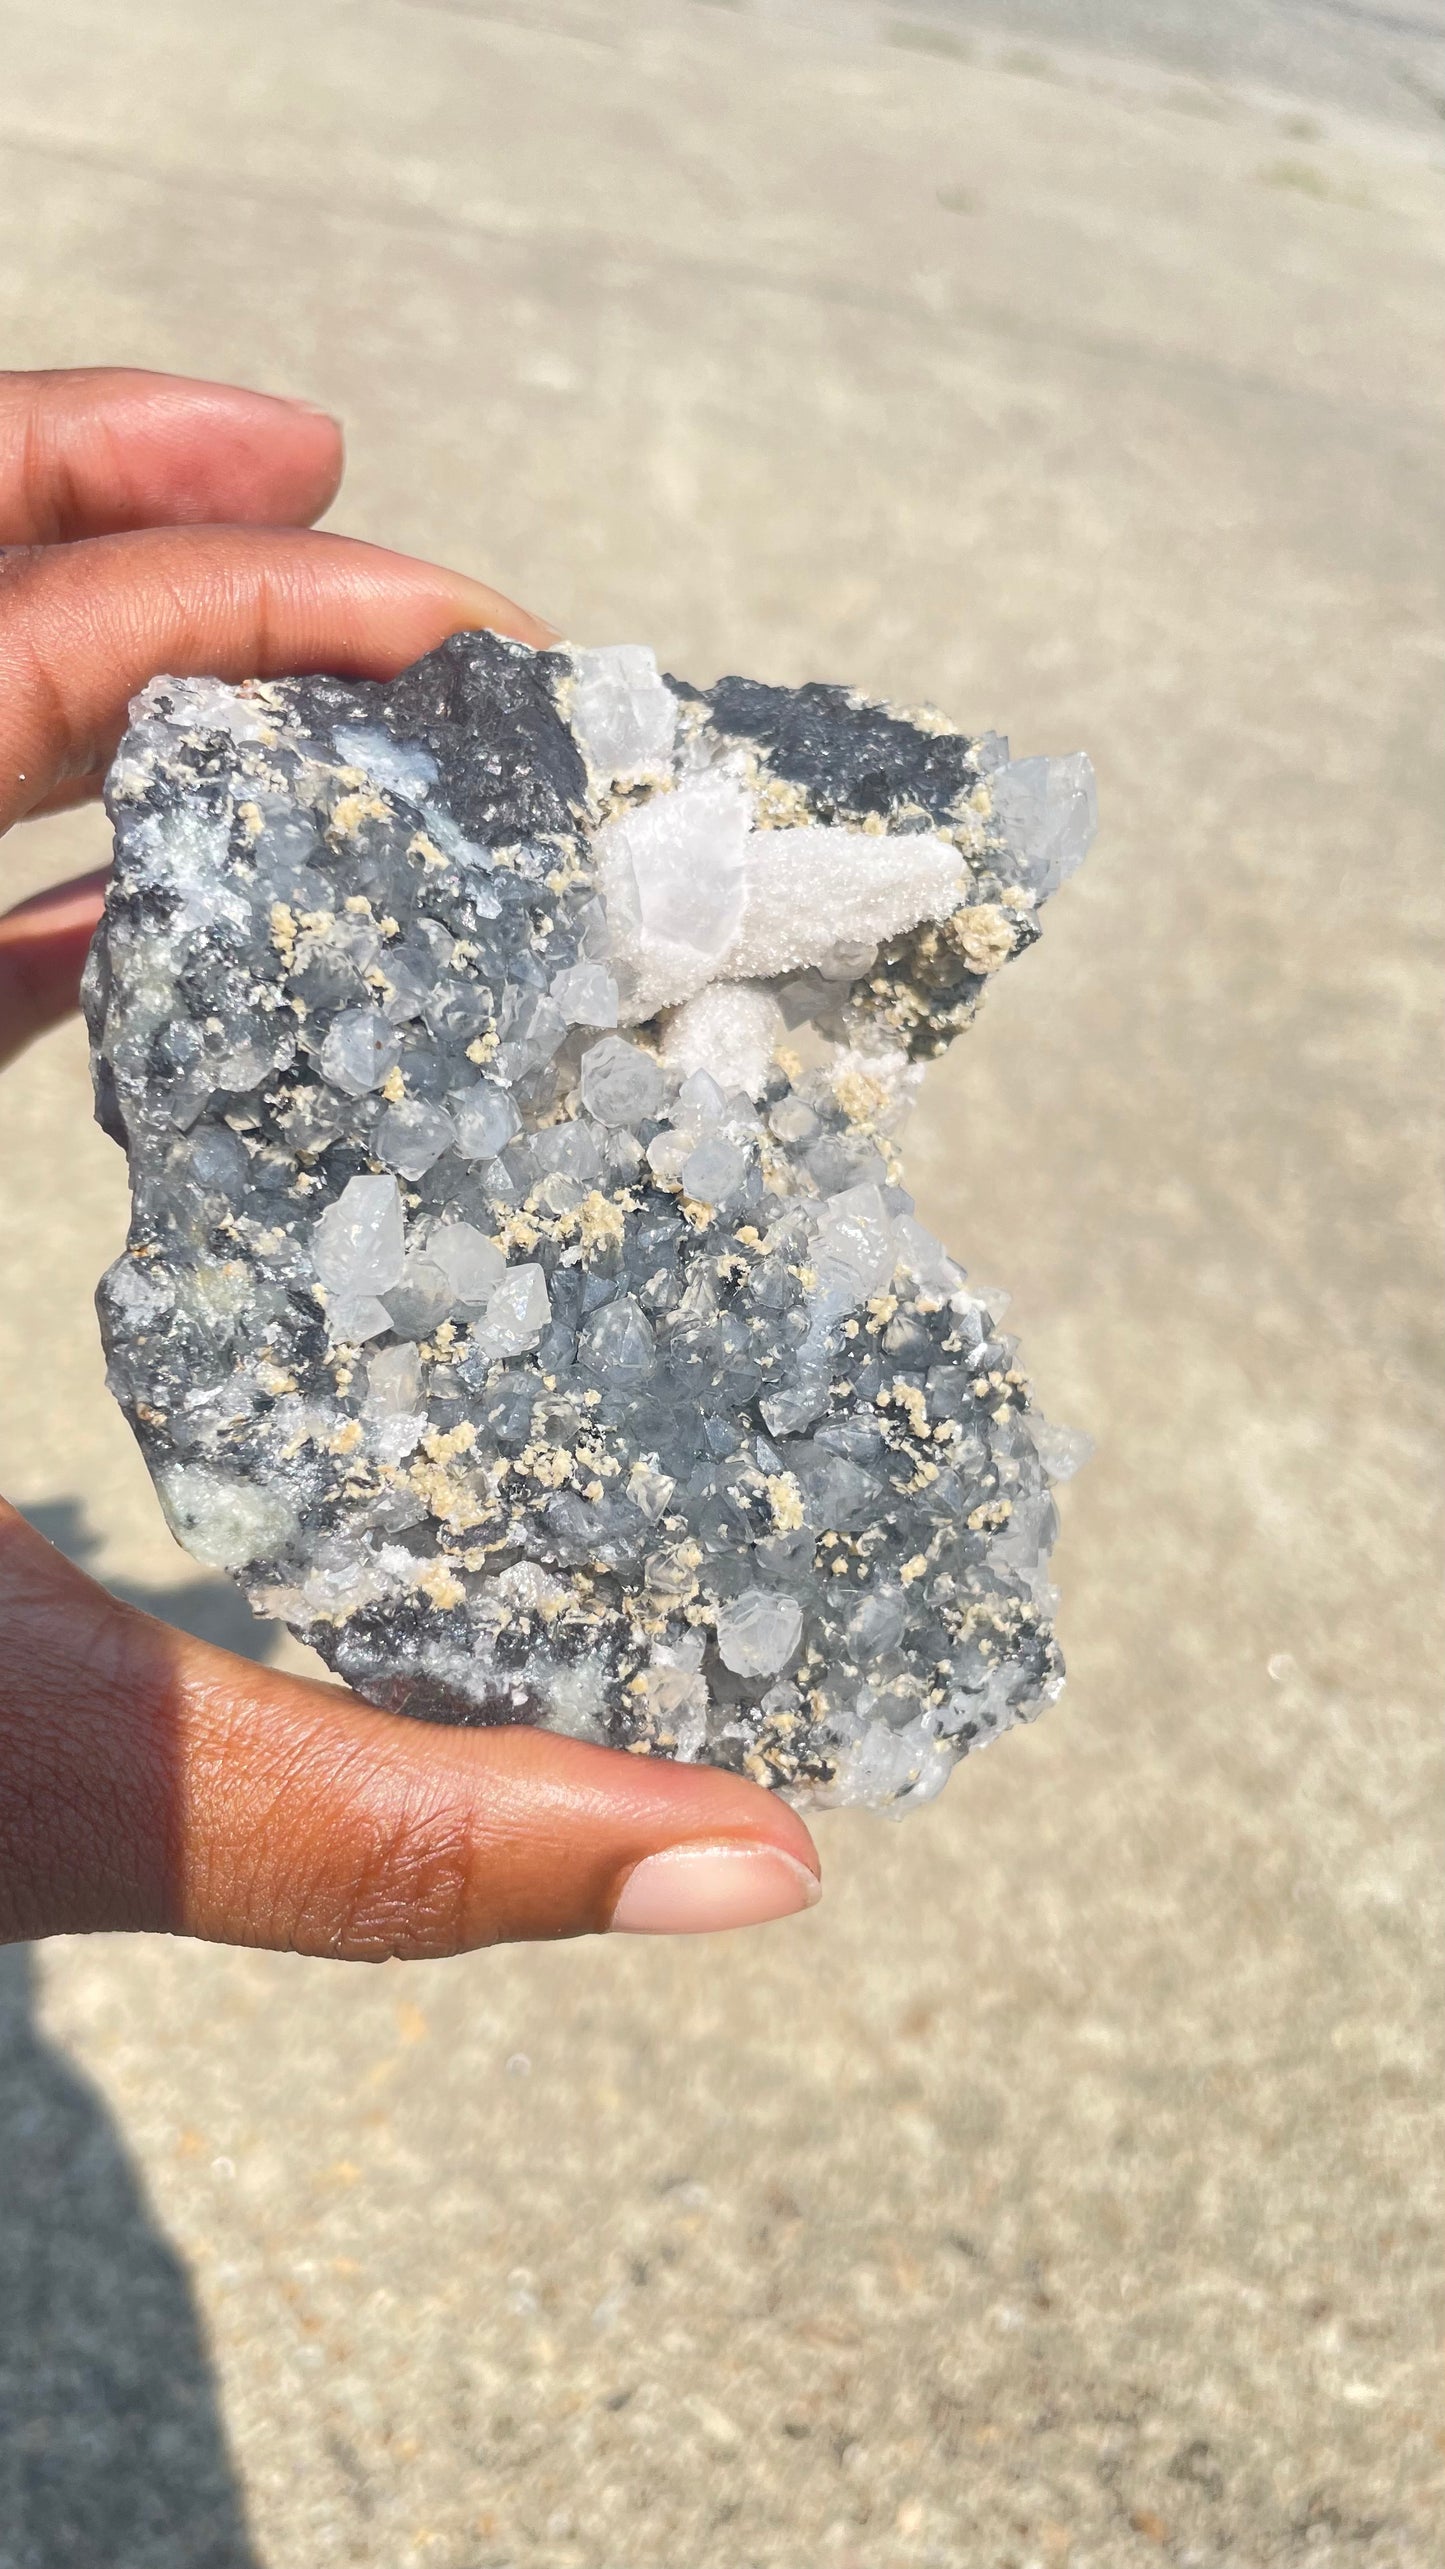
(484,602)
(695,1890)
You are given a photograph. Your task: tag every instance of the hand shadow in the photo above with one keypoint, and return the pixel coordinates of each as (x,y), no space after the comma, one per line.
(210,1608)
(112,2452)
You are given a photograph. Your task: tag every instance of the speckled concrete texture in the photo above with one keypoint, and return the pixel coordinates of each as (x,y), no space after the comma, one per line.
(1060,2192)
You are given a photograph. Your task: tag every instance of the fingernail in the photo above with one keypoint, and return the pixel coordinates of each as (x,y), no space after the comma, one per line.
(312,409)
(497,614)
(695,1890)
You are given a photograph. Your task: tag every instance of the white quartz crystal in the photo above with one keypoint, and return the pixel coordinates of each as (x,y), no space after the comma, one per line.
(485,1119)
(621,1084)
(393,1381)
(355,1317)
(587,995)
(924,1258)
(471,1262)
(411,1135)
(855,1247)
(618,1341)
(360,1049)
(758,1632)
(1050,808)
(358,1244)
(713,1170)
(624,717)
(1063,1451)
(671,875)
(517,1312)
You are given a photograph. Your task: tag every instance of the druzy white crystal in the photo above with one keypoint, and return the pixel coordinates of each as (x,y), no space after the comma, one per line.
(697,896)
(507,1305)
(809,894)
(733,1029)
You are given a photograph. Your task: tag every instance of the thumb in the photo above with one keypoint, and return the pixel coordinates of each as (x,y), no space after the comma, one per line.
(150,1781)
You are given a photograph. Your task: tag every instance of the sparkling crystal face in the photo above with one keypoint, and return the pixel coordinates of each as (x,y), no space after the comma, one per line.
(505,1305)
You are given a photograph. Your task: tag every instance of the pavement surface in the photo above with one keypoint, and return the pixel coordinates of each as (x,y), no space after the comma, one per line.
(1062,2191)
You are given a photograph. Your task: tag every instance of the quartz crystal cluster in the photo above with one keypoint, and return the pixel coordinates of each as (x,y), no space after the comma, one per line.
(522,1299)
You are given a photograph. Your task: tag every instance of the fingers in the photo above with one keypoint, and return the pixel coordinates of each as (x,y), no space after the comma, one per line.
(83,626)
(95,450)
(149,1781)
(43,945)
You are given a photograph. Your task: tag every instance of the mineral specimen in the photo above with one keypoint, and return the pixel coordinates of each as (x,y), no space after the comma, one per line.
(506,1305)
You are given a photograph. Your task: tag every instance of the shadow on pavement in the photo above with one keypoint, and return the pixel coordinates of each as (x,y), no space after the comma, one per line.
(210,1608)
(111,2445)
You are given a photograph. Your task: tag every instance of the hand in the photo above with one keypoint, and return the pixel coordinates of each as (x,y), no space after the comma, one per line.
(148,1780)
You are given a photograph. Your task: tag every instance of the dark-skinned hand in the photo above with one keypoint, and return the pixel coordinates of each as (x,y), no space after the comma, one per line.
(148,1780)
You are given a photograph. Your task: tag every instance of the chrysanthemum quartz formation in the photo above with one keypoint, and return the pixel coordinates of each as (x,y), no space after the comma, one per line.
(506,1307)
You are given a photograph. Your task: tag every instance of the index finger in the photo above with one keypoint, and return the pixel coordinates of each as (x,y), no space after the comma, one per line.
(100,450)
(83,626)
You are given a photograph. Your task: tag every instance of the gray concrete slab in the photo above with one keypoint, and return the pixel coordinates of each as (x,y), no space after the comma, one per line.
(1061,2191)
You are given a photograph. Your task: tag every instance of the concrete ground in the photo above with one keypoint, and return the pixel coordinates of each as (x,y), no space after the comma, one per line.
(1061,2191)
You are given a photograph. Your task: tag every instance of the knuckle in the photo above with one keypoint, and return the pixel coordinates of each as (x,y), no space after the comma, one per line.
(21,568)
(393,1880)
(36,606)
(412,1894)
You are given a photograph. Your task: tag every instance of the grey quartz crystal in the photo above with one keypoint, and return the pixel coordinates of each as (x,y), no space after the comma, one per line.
(506,1307)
